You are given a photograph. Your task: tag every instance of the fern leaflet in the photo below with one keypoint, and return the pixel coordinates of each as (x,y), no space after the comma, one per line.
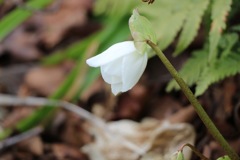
(191,25)
(167,18)
(191,70)
(225,67)
(198,71)
(114,8)
(227,42)
(220,9)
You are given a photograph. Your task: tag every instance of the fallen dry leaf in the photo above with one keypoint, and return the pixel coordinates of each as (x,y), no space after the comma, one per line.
(73,125)
(62,152)
(15,116)
(44,30)
(22,45)
(184,115)
(229,91)
(164,107)
(97,86)
(11,77)
(70,14)
(149,139)
(45,80)
(127,108)
(130,105)
(237,116)
(33,145)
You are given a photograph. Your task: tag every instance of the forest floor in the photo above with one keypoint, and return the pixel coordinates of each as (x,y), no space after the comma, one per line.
(144,116)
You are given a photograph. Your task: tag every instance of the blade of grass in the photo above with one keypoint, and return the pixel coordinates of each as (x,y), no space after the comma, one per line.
(45,113)
(104,41)
(113,31)
(93,73)
(17,16)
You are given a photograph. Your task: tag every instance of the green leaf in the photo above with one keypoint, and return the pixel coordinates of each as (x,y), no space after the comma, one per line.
(197,71)
(191,25)
(191,70)
(224,158)
(220,9)
(184,16)
(114,8)
(167,17)
(17,16)
(227,42)
(141,30)
(236,28)
(225,67)
(180,156)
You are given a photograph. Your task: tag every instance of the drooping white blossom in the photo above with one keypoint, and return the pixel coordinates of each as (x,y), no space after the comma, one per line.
(121,65)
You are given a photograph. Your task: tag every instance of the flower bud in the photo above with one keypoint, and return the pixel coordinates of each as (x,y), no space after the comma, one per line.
(141,30)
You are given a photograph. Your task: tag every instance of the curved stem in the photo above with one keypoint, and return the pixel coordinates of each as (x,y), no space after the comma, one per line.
(193,100)
(195,151)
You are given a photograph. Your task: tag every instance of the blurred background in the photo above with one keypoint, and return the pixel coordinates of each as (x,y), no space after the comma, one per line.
(44,45)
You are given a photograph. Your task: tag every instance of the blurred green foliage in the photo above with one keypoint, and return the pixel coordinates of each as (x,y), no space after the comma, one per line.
(224,158)
(17,16)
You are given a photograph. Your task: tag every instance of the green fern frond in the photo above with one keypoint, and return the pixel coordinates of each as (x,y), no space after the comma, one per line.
(191,24)
(225,67)
(191,70)
(227,42)
(220,9)
(170,16)
(114,7)
(167,17)
(198,71)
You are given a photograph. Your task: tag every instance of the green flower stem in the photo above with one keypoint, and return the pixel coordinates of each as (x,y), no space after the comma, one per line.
(194,150)
(197,106)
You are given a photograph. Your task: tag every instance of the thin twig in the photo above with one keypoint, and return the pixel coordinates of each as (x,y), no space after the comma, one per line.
(9,100)
(18,138)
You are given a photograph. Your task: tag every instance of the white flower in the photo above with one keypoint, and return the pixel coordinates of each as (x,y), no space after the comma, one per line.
(121,65)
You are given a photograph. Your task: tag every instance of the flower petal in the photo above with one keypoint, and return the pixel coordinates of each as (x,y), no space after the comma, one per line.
(116,88)
(110,79)
(112,53)
(114,67)
(111,72)
(133,67)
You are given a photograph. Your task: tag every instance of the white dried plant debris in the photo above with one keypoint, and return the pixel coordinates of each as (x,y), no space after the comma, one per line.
(148,140)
